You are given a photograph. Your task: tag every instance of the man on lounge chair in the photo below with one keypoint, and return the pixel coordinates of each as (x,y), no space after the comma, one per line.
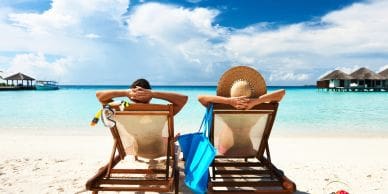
(140,92)
(143,131)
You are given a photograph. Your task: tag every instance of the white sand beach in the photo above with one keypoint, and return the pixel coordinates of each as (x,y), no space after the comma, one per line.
(62,164)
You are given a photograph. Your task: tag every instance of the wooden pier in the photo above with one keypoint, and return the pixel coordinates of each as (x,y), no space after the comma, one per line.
(14,88)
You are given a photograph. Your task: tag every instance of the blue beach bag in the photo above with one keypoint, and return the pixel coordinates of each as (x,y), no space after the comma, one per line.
(198,153)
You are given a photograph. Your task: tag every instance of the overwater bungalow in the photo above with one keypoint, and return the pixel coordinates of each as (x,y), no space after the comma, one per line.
(366,80)
(18,81)
(384,73)
(336,80)
(360,80)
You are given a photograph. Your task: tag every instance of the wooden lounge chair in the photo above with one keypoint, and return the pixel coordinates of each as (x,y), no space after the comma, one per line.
(138,130)
(241,138)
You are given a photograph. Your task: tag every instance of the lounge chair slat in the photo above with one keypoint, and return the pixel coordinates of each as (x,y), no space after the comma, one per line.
(261,191)
(152,189)
(240,164)
(139,171)
(133,182)
(246,183)
(243,172)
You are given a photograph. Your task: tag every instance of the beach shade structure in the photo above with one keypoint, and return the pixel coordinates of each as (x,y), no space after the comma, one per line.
(243,162)
(365,78)
(144,132)
(20,77)
(336,78)
(384,74)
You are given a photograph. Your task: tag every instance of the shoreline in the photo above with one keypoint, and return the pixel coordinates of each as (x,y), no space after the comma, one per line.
(62,164)
(102,131)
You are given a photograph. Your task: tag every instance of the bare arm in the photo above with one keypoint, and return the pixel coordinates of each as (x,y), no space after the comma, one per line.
(237,102)
(242,102)
(106,96)
(275,96)
(143,95)
(178,100)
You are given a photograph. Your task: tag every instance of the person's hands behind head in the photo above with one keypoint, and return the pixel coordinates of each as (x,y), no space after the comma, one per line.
(252,102)
(239,102)
(141,95)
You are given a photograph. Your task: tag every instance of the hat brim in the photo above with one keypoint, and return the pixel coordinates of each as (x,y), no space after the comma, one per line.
(253,77)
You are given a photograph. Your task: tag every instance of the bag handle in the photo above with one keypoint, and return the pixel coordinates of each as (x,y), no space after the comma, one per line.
(207,120)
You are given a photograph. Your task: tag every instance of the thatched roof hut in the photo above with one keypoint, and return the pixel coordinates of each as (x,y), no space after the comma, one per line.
(19,76)
(338,75)
(384,73)
(366,74)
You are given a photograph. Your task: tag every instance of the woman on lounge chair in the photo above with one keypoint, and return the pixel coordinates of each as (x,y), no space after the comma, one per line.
(241,87)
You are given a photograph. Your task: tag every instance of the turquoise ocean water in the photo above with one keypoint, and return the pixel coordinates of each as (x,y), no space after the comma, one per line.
(304,110)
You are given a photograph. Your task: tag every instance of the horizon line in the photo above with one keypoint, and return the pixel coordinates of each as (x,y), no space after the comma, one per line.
(164,85)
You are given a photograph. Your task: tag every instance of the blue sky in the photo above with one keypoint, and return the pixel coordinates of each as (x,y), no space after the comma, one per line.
(240,14)
(190,42)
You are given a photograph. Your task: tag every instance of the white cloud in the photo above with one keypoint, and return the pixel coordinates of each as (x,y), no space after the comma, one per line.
(171,24)
(285,76)
(170,44)
(38,66)
(72,17)
(350,69)
(92,36)
(383,68)
(193,1)
(352,37)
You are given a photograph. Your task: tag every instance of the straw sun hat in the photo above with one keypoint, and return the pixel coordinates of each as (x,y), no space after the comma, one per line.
(241,81)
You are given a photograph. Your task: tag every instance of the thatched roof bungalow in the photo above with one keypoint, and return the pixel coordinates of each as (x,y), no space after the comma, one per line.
(365,78)
(335,79)
(20,77)
(362,79)
(384,74)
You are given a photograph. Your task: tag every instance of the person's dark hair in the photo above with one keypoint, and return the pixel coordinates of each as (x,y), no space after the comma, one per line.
(142,83)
